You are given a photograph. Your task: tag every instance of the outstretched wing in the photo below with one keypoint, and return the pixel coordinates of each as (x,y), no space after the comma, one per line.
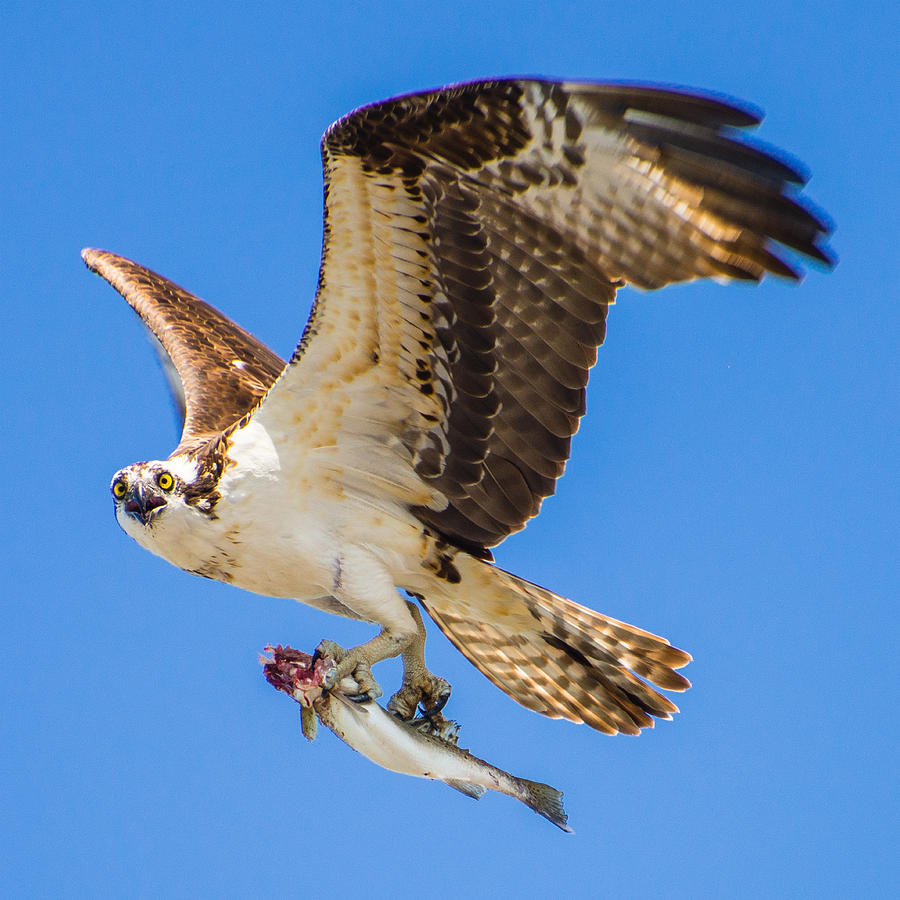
(221,371)
(474,238)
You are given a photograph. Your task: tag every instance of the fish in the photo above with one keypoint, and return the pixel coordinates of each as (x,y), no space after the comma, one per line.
(424,747)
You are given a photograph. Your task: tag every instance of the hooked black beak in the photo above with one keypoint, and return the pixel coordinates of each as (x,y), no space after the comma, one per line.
(141,504)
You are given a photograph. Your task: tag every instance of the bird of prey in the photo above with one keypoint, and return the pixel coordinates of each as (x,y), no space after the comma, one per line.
(475,237)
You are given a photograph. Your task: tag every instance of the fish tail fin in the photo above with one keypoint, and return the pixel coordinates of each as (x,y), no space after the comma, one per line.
(546,801)
(552,655)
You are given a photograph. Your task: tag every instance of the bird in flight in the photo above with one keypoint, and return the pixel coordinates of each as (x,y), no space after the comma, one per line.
(474,239)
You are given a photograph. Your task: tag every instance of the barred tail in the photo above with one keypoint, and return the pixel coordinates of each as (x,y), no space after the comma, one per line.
(554,656)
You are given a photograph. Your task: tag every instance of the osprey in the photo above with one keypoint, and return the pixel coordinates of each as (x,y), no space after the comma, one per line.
(475,237)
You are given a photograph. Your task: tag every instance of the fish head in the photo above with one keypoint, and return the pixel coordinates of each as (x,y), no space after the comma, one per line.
(302,676)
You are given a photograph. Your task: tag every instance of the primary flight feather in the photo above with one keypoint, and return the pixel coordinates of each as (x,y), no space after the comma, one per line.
(474,239)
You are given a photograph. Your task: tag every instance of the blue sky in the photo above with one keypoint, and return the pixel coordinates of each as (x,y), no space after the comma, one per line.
(733,487)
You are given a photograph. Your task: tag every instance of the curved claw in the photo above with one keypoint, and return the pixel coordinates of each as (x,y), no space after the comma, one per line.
(348,673)
(414,694)
(363,697)
(441,702)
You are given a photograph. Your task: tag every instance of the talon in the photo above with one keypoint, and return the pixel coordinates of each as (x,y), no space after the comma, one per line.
(404,703)
(333,652)
(439,704)
(429,693)
(437,726)
(329,650)
(348,667)
(366,685)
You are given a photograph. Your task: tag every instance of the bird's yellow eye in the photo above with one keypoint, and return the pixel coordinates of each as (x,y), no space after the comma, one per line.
(165,481)
(119,489)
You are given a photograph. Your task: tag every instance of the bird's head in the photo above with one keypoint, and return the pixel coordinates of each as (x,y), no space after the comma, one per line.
(146,492)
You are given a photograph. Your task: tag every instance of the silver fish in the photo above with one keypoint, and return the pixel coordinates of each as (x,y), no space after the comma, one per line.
(425,748)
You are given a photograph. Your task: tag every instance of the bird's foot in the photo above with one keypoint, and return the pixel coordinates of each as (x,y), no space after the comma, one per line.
(437,726)
(424,690)
(349,664)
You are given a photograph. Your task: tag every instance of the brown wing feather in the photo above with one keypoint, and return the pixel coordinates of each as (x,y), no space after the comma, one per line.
(224,370)
(535,201)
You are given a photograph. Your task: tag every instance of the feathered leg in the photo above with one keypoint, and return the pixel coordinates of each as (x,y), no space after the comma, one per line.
(420,687)
(364,585)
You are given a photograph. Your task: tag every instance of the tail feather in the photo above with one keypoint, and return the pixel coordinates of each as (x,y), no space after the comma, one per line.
(556,657)
(599,704)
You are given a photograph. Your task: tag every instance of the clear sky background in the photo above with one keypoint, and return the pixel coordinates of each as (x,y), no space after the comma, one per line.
(733,487)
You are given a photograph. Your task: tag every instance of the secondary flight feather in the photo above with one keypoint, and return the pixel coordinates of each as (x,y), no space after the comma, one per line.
(475,237)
